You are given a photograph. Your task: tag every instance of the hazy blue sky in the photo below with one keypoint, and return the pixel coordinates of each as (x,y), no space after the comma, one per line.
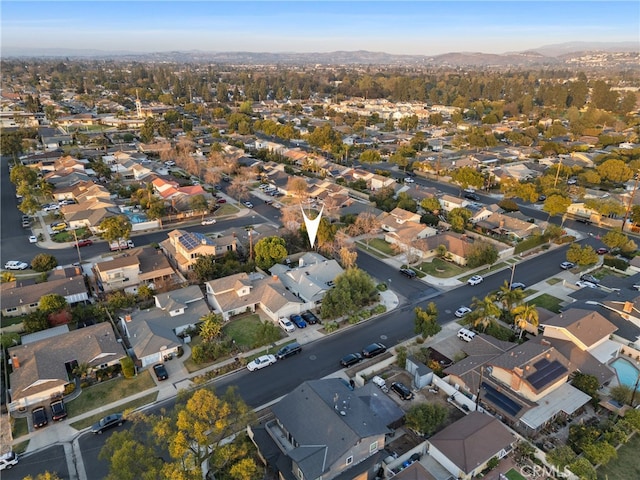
(413,27)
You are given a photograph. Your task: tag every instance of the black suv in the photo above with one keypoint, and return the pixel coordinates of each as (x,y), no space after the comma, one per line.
(472,196)
(402,390)
(288,350)
(58,411)
(407,272)
(39,416)
(372,350)
(310,318)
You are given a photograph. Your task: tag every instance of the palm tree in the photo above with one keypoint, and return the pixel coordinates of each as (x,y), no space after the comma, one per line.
(486,311)
(525,315)
(510,298)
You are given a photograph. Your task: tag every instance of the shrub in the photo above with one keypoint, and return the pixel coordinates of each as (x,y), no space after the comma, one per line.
(382,287)
(529,243)
(379,309)
(128,368)
(565,239)
(616,263)
(69,388)
(331,327)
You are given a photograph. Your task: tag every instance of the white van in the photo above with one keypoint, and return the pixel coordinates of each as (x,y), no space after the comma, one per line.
(465,334)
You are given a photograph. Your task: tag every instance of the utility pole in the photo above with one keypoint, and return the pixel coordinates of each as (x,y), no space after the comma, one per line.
(630,204)
(75,235)
(555,182)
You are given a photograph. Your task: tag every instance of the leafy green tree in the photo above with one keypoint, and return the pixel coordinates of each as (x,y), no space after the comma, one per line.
(11,143)
(605,207)
(510,298)
(485,312)
(481,253)
(43,262)
(199,204)
(561,456)
(615,239)
(458,218)
(589,384)
(599,453)
(52,303)
(431,204)
(426,321)
(583,469)
(147,130)
(426,418)
(524,316)
(370,156)
(269,251)
(635,214)
(614,170)
(406,202)
(44,476)
(130,459)
(115,228)
(353,290)
(9,339)
(211,327)
(466,177)
(556,205)
(584,255)
(631,421)
(621,394)
(35,322)
(23,175)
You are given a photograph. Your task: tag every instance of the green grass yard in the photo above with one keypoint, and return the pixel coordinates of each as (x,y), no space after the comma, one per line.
(87,422)
(547,301)
(626,466)
(440,268)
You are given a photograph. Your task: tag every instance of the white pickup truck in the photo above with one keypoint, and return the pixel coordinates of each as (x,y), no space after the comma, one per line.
(122,244)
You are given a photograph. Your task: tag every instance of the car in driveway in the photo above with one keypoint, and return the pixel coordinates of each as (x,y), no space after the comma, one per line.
(208,221)
(589,278)
(39,417)
(16,265)
(310,318)
(108,422)
(84,243)
(50,207)
(288,350)
(261,362)
(583,284)
(567,265)
(298,321)
(402,390)
(475,280)
(373,350)
(59,226)
(287,325)
(350,359)
(58,411)
(462,311)
(161,371)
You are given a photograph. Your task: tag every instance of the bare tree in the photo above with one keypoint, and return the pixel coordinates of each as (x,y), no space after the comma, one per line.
(298,187)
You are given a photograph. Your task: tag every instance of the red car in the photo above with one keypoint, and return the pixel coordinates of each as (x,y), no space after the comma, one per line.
(222,200)
(602,251)
(84,243)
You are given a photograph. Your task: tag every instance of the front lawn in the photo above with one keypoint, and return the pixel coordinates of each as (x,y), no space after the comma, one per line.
(514,475)
(243,330)
(106,392)
(440,268)
(626,465)
(547,301)
(378,244)
(87,422)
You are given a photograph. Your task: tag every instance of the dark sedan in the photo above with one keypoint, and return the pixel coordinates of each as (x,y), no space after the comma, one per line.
(39,416)
(351,359)
(161,371)
(374,349)
(105,423)
(310,318)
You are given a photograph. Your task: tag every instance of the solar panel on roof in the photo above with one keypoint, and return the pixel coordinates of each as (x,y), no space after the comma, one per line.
(541,364)
(501,401)
(546,375)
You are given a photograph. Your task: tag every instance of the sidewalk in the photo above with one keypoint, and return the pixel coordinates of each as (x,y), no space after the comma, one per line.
(179,379)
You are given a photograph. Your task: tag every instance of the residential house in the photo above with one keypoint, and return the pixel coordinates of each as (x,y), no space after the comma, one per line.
(449,202)
(43,368)
(344,438)
(525,384)
(141,266)
(244,292)
(310,278)
(465,447)
(582,336)
(183,248)
(457,246)
(406,237)
(153,334)
(389,221)
(23,296)
(513,225)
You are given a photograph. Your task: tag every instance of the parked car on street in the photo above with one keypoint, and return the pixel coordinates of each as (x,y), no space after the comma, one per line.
(602,251)
(161,371)
(16,265)
(261,362)
(407,272)
(208,221)
(350,359)
(462,311)
(248,204)
(84,243)
(374,349)
(39,416)
(518,285)
(288,350)
(567,265)
(475,280)
(8,460)
(33,239)
(108,422)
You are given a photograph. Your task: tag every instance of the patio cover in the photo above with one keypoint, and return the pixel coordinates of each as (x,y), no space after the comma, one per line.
(566,398)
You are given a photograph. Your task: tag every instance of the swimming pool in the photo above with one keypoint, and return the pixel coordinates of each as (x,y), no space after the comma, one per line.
(136,217)
(627,372)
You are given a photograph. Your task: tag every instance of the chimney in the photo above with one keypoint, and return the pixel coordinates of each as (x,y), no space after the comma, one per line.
(15,363)
(628,307)
(274,277)
(127,318)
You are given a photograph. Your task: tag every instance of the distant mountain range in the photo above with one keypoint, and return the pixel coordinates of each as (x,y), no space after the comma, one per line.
(549,55)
